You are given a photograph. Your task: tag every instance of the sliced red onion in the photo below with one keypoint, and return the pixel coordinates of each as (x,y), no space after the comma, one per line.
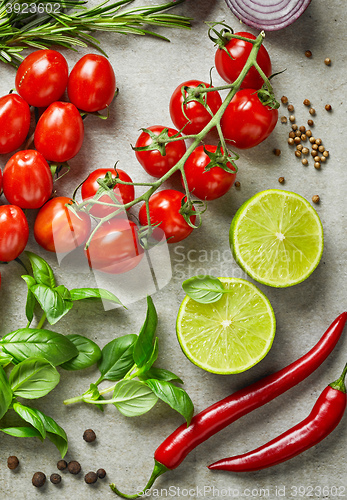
(269,15)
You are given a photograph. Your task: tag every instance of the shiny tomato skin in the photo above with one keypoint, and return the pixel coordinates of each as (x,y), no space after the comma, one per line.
(14,232)
(246,122)
(115,248)
(27,179)
(59,132)
(57,229)
(123,192)
(92,83)
(153,161)
(14,122)
(229,67)
(164,208)
(207,185)
(42,77)
(195,111)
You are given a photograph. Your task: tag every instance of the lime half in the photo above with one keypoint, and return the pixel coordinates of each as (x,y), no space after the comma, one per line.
(230,335)
(277,238)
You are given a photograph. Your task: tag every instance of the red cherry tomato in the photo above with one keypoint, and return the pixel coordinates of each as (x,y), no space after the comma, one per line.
(92,83)
(57,229)
(115,248)
(27,179)
(42,77)
(207,185)
(230,66)
(164,208)
(14,122)
(59,132)
(246,122)
(153,161)
(196,112)
(124,193)
(14,232)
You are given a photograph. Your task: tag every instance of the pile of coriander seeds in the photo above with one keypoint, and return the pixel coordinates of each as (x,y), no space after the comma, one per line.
(302,138)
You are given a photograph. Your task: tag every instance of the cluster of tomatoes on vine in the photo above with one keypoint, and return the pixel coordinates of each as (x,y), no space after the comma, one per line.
(114,247)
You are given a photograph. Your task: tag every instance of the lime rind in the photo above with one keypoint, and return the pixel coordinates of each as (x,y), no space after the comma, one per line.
(228,336)
(265,258)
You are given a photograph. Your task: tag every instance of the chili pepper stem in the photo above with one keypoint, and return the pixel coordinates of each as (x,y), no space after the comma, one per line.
(158,470)
(339,384)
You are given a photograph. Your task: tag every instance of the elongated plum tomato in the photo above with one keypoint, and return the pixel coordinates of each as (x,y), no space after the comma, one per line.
(124,193)
(27,179)
(59,132)
(42,77)
(14,122)
(246,122)
(115,247)
(197,114)
(57,229)
(14,232)
(92,83)
(207,184)
(164,208)
(231,60)
(153,161)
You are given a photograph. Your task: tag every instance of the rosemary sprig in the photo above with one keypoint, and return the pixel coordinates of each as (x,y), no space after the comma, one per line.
(69,23)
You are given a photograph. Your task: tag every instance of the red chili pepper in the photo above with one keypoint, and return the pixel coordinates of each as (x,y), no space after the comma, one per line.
(324,417)
(205,424)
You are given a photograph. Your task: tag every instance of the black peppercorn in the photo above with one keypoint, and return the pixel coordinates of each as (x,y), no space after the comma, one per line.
(55,478)
(89,435)
(12,462)
(91,477)
(101,473)
(74,467)
(39,479)
(62,465)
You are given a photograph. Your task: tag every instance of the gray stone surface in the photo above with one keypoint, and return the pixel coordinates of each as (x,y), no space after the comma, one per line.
(147,71)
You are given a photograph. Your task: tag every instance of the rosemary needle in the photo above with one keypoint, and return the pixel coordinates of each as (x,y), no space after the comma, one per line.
(41,24)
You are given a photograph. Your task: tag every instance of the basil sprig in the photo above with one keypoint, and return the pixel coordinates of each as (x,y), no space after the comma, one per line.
(31,379)
(132,357)
(55,301)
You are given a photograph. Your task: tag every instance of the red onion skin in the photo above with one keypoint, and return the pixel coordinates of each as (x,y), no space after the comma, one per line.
(273,20)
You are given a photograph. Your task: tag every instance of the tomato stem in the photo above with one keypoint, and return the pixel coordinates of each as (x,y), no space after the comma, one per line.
(197,139)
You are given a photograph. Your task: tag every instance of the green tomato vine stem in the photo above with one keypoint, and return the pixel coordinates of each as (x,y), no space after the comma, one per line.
(197,139)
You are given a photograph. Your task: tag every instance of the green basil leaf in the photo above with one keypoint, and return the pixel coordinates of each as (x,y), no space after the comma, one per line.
(55,433)
(144,344)
(30,416)
(174,396)
(93,293)
(151,360)
(41,270)
(55,303)
(33,378)
(5,359)
(22,432)
(117,358)
(30,342)
(161,374)
(133,398)
(203,289)
(5,393)
(31,301)
(88,353)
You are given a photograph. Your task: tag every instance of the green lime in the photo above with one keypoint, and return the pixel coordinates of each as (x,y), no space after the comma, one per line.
(230,335)
(277,238)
